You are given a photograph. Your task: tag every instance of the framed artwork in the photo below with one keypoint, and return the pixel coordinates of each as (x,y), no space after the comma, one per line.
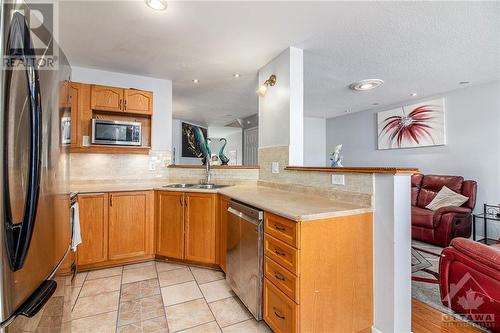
(190,146)
(417,125)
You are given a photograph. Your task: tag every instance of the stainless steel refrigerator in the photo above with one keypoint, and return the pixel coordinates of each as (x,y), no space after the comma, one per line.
(34,175)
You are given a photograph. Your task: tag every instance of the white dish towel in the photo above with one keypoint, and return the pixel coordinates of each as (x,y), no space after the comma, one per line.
(76,237)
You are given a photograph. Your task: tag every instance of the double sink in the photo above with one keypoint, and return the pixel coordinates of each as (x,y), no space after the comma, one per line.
(196,186)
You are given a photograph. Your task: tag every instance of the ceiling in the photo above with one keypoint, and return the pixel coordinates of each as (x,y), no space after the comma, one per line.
(422,47)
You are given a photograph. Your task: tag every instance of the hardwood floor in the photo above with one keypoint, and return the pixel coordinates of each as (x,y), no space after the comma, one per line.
(426,319)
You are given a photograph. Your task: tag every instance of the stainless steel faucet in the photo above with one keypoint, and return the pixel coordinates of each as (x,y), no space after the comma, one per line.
(208,170)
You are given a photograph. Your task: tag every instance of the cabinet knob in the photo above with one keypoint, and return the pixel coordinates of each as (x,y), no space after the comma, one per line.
(110,200)
(279,276)
(280,253)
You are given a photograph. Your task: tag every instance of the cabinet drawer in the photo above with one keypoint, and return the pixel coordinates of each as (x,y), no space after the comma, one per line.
(280,312)
(283,254)
(281,278)
(283,229)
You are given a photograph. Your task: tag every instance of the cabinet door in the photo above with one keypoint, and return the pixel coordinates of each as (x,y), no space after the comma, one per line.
(130,232)
(138,101)
(170,224)
(200,227)
(222,239)
(93,228)
(106,98)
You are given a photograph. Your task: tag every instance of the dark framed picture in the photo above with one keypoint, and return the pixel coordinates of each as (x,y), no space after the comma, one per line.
(191,147)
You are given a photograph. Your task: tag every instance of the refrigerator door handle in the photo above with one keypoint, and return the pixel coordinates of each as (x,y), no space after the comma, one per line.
(18,235)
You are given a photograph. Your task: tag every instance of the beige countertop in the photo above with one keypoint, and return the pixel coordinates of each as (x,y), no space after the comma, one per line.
(292,205)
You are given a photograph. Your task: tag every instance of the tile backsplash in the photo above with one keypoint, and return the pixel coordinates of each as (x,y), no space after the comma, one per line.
(119,166)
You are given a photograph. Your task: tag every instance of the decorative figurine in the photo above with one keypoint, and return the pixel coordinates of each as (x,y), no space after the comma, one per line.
(336,157)
(205,150)
(223,158)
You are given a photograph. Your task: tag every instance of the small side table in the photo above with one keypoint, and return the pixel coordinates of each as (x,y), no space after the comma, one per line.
(490,213)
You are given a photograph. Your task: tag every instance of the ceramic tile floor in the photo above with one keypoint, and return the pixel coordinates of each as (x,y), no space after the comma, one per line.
(158,297)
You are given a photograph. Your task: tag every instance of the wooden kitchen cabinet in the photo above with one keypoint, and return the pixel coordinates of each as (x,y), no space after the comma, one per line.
(106,98)
(94,228)
(138,101)
(200,227)
(186,226)
(222,230)
(116,228)
(130,225)
(318,274)
(169,212)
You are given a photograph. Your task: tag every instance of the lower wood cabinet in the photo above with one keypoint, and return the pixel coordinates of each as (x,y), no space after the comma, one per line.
(186,226)
(131,230)
(222,230)
(116,227)
(318,274)
(93,228)
(169,224)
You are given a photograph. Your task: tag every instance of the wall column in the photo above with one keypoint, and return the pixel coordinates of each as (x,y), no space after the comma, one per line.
(281,111)
(392,254)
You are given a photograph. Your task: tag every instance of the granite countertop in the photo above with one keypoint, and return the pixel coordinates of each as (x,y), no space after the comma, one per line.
(292,205)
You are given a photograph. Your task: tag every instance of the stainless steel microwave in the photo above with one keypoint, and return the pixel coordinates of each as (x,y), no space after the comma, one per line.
(121,133)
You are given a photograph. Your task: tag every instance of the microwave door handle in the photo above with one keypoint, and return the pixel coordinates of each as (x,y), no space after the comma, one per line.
(18,236)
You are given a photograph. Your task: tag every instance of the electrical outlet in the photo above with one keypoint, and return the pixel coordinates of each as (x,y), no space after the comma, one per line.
(338,179)
(152,166)
(275,167)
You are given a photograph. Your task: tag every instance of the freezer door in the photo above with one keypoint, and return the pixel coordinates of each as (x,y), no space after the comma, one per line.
(35,226)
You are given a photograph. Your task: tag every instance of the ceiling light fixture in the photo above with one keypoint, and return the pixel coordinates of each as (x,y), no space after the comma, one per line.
(196,81)
(236,75)
(263,88)
(367,84)
(463,82)
(413,94)
(157,4)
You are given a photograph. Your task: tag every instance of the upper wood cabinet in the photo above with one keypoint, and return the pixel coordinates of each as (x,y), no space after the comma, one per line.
(133,101)
(200,227)
(130,226)
(93,228)
(170,224)
(106,98)
(138,101)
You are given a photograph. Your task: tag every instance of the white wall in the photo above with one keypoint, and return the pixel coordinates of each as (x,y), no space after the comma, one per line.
(473,136)
(281,110)
(161,135)
(314,141)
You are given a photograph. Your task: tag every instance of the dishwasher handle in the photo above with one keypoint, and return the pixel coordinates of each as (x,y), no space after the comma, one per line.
(244,216)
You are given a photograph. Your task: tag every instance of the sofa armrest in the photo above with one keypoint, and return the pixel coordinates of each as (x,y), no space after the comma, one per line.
(488,255)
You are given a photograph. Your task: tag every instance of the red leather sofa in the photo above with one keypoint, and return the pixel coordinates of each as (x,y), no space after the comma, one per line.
(441,226)
(469,274)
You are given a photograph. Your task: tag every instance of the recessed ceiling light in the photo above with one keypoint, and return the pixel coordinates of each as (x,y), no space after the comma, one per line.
(236,75)
(157,4)
(463,82)
(347,110)
(196,81)
(375,103)
(367,84)
(413,94)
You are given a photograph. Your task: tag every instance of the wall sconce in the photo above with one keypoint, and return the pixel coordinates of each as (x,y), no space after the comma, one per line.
(263,88)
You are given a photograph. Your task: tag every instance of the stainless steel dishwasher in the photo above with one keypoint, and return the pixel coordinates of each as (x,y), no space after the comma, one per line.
(244,257)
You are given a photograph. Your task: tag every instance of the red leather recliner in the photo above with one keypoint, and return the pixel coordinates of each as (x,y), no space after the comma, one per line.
(469,274)
(441,226)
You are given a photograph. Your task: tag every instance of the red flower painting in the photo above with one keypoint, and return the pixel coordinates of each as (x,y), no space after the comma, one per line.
(412,126)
